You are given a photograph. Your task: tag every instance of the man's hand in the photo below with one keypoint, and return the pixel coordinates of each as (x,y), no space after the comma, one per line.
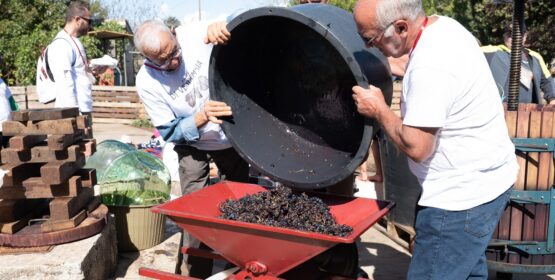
(370,102)
(217,33)
(211,111)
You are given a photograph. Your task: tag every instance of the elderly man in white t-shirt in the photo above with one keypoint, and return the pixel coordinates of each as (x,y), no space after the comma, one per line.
(173,85)
(452,129)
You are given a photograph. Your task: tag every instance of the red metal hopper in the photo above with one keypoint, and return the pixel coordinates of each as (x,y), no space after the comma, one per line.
(259,249)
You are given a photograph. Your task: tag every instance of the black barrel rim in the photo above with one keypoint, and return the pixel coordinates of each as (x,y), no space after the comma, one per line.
(298,14)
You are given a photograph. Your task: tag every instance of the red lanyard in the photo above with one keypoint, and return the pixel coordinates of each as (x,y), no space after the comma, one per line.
(152,66)
(419,34)
(79,51)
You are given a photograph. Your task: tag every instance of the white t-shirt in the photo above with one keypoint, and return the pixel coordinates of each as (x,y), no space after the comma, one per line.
(5,109)
(183,92)
(448,85)
(67,58)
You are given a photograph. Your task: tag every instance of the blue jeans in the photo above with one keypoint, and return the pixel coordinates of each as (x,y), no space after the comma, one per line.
(451,245)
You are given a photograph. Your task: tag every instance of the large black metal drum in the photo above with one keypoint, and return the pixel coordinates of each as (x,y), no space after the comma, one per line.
(288,75)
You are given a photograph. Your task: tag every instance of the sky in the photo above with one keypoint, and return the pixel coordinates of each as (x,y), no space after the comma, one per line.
(188,10)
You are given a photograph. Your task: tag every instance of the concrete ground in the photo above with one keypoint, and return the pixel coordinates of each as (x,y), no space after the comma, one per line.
(380,257)
(127,133)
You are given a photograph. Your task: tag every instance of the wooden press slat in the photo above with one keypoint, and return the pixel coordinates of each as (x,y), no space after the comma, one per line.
(18,173)
(504,226)
(59,142)
(65,208)
(41,154)
(55,173)
(13,227)
(522,130)
(544,183)
(532,165)
(45,114)
(36,188)
(56,225)
(25,142)
(61,126)
(13,210)
(88,146)
(88,177)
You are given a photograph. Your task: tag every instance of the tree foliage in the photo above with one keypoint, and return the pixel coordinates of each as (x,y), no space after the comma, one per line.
(486,20)
(28,26)
(172,22)
(135,11)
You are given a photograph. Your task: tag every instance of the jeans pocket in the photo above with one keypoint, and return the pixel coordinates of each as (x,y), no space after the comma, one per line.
(482,220)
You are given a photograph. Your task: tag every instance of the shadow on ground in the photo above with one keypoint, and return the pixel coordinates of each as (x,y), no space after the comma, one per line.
(162,256)
(381,261)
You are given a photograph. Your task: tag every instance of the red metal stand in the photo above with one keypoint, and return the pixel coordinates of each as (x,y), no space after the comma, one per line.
(262,252)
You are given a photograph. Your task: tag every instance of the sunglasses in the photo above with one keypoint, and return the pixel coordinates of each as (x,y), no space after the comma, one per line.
(89,20)
(369,42)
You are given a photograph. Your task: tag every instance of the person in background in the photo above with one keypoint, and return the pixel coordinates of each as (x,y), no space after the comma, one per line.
(363,168)
(5,108)
(536,83)
(7,104)
(173,85)
(552,68)
(452,129)
(107,77)
(68,62)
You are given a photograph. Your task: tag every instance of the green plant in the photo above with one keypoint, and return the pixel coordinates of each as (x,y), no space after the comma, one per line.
(142,123)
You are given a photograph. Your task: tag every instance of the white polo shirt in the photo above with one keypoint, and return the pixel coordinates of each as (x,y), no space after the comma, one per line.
(448,85)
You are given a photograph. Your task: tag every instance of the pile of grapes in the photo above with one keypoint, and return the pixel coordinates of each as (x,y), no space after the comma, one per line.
(280,207)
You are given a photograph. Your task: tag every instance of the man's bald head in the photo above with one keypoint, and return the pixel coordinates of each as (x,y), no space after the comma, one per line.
(365,14)
(382,12)
(389,25)
(150,36)
(157,43)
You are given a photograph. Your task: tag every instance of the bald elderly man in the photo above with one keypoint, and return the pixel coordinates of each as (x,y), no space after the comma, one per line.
(452,129)
(173,85)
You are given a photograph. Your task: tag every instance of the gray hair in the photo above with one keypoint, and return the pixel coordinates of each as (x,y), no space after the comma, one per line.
(388,11)
(146,37)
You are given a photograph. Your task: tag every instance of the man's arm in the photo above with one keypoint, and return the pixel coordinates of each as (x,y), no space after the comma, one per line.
(185,130)
(417,142)
(178,129)
(547,85)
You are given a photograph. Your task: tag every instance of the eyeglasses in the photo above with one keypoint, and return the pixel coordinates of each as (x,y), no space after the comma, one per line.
(176,53)
(369,42)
